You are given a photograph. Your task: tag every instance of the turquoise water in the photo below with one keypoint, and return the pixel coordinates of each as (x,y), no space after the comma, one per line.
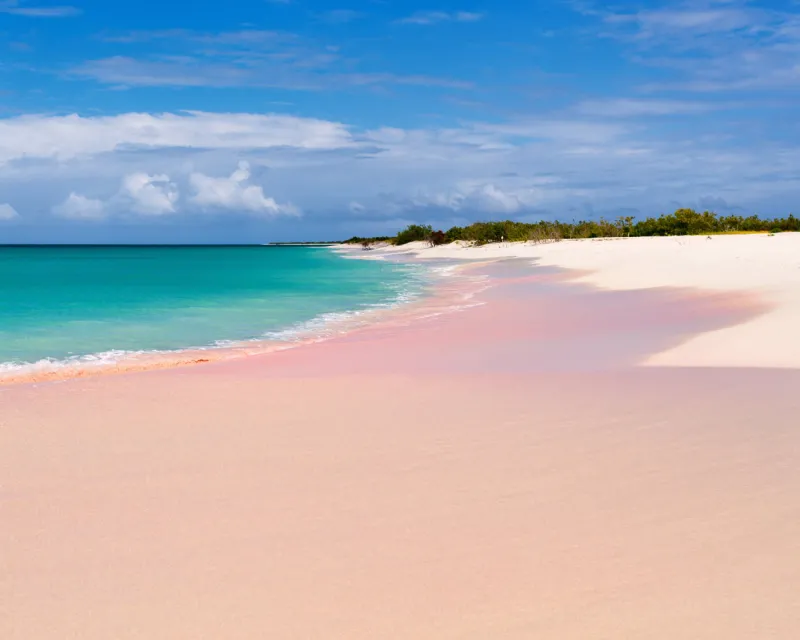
(96,303)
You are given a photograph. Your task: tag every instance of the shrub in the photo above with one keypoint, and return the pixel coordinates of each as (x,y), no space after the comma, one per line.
(414,233)
(682,222)
(360,240)
(544,233)
(436,238)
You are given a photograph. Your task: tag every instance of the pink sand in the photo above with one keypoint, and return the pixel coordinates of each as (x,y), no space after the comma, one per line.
(502,472)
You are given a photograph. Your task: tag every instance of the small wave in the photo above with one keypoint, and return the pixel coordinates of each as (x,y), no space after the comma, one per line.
(101,359)
(420,280)
(445,271)
(321,327)
(339,322)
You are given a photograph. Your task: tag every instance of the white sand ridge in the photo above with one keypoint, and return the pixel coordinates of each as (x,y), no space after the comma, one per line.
(766,265)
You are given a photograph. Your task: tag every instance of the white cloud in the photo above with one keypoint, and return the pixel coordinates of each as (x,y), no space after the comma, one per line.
(16,8)
(434,17)
(697,21)
(150,195)
(79,207)
(485,198)
(630,108)
(492,199)
(301,72)
(711,45)
(575,130)
(234,193)
(568,164)
(7,212)
(66,137)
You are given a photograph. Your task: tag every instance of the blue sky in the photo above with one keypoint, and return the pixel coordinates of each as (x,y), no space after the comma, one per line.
(261,120)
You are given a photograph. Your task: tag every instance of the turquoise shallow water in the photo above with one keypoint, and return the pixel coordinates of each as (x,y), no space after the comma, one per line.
(96,303)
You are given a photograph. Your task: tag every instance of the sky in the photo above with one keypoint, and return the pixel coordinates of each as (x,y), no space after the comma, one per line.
(274,120)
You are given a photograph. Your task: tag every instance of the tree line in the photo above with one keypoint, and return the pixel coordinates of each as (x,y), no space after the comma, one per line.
(681,223)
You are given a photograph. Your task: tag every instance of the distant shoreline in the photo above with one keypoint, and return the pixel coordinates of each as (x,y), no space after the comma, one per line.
(302,244)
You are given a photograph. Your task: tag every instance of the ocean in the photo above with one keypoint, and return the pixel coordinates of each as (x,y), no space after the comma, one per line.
(71,304)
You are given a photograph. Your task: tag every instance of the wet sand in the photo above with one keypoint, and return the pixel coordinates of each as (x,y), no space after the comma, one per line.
(507,471)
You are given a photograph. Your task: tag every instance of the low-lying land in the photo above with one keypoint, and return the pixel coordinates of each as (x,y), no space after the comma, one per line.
(682,222)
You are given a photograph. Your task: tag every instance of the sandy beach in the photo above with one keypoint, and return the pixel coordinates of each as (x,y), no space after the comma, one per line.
(766,265)
(603,444)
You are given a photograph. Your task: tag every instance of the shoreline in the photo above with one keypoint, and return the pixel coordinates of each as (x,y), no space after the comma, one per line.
(582,262)
(441,297)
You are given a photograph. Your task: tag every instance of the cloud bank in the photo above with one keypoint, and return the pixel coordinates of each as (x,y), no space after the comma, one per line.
(67,137)
(599,158)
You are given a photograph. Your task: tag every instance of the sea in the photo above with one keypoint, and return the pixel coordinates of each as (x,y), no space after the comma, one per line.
(68,305)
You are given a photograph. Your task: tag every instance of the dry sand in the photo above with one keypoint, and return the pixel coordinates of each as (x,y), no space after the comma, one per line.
(766,265)
(508,471)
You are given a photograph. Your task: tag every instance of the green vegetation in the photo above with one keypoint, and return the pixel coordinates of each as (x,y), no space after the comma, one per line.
(360,240)
(682,222)
(414,233)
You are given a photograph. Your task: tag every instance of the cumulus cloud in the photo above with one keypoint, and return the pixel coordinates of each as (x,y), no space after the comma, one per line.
(79,207)
(7,212)
(150,195)
(234,193)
